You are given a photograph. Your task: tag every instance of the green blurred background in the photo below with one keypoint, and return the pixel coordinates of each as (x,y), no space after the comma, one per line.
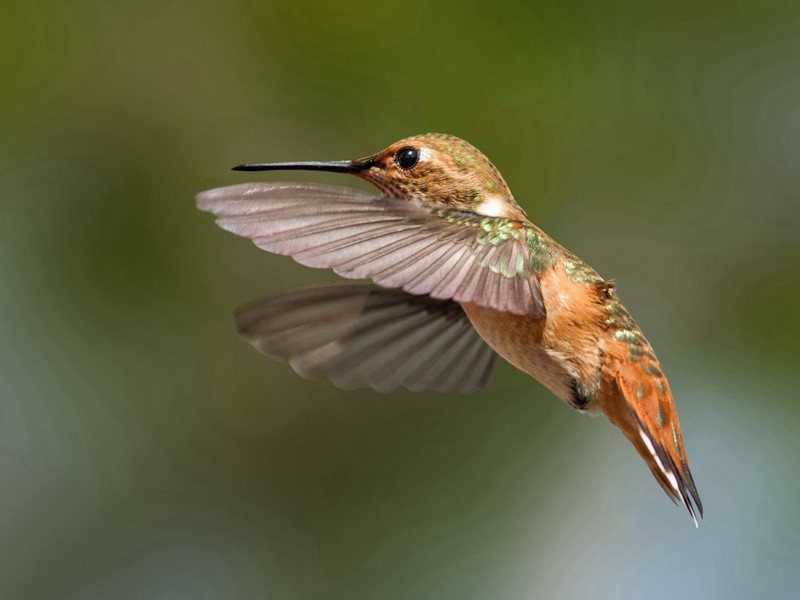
(146,452)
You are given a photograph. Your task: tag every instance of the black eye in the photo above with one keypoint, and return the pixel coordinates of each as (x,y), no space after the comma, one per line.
(406,157)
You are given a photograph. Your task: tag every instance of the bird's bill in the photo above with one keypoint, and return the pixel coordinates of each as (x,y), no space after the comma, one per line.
(334,166)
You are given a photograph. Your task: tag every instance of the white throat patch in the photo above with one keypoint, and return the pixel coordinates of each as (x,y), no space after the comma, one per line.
(493,206)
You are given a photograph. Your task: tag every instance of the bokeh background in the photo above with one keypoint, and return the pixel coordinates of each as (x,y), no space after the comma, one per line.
(148,453)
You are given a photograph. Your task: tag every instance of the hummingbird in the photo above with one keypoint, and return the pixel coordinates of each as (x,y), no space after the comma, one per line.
(460,277)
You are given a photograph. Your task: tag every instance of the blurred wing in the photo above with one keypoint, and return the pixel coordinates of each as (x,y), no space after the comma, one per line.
(421,248)
(365,335)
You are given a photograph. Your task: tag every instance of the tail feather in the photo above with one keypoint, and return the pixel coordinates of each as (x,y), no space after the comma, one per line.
(676,480)
(640,403)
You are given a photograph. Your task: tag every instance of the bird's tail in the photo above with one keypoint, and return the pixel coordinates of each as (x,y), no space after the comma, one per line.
(638,400)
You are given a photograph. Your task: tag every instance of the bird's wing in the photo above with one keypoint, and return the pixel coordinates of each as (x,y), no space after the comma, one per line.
(364,335)
(396,242)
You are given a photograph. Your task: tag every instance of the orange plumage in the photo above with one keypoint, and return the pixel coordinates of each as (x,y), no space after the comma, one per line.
(466,264)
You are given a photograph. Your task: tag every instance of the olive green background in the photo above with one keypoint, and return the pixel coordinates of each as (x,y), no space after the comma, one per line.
(148,453)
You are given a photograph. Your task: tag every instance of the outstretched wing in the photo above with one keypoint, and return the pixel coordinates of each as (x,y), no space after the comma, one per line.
(365,335)
(402,243)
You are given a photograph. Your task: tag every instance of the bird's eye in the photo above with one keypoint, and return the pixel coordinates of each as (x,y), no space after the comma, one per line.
(406,157)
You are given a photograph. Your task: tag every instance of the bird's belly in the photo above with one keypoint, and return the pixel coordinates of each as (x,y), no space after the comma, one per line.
(518,339)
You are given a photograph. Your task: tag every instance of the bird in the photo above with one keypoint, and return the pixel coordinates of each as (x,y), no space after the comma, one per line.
(459,278)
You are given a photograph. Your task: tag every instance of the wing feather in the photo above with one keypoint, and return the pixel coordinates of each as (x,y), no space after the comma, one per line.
(419,247)
(366,335)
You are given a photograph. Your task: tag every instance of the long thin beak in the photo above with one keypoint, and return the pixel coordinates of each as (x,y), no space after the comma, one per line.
(335,166)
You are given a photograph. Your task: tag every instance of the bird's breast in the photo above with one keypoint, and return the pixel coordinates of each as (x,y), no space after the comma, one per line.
(563,349)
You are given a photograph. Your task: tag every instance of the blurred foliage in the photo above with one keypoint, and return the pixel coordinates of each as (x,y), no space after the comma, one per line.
(146,452)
